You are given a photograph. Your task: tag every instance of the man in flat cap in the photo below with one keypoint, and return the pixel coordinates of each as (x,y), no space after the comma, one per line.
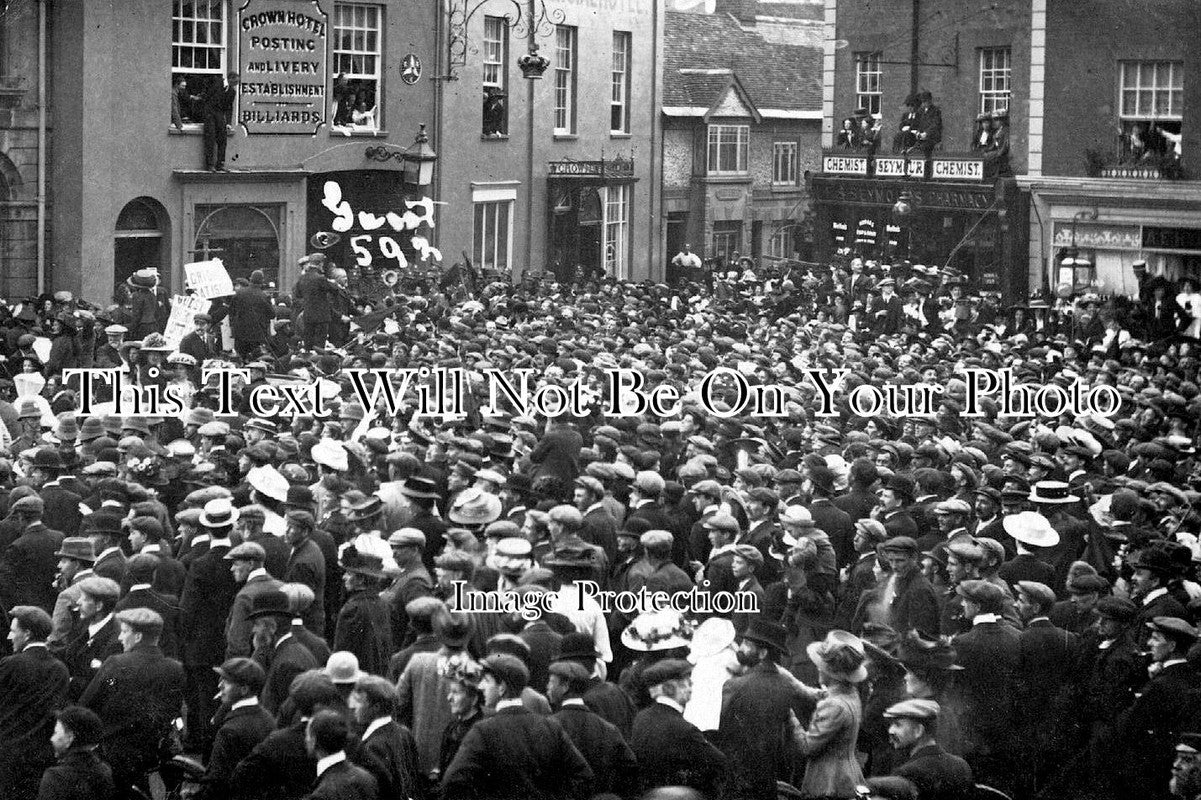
(80,772)
(671,750)
(745,566)
(137,694)
(600,742)
(1167,705)
(413,581)
(33,684)
(1046,669)
(27,565)
(515,753)
(989,654)
(597,525)
(95,637)
(307,565)
(244,724)
(914,604)
(246,564)
(1186,768)
(938,775)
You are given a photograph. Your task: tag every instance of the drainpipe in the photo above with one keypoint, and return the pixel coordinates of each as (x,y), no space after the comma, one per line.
(41,146)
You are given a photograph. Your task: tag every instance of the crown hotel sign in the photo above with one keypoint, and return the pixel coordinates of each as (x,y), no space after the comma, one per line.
(948,168)
(284,66)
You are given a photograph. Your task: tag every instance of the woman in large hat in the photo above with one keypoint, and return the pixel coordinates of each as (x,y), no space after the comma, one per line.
(829,742)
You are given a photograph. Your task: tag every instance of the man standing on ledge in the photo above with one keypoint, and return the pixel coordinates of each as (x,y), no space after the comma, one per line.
(218,106)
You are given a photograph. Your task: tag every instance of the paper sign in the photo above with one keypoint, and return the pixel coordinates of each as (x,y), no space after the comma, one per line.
(209,279)
(41,346)
(184,309)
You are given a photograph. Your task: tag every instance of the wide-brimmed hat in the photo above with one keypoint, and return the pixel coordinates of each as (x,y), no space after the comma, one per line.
(420,486)
(365,509)
(1031,528)
(78,548)
(475,507)
(652,631)
(352,560)
(841,656)
(710,638)
(1055,492)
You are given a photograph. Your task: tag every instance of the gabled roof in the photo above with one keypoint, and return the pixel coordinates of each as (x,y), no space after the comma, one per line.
(700,47)
(713,86)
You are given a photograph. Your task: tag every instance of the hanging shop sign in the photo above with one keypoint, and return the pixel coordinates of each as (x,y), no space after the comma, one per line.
(283,66)
(1099,237)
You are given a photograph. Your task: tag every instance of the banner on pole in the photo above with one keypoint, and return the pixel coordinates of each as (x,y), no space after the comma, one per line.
(209,279)
(184,309)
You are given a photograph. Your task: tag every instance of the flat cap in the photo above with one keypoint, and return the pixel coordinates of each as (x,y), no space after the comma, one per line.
(591,484)
(100,588)
(749,554)
(1174,628)
(721,521)
(902,544)
(141,619)
(667,670)
(953,506)
(244,672)
(1084,584)
(509,669)
(657,538)
(981,592)
(1117,608)
(913,709)
(514,547)
(1040,593)
(247,551)
(407,537)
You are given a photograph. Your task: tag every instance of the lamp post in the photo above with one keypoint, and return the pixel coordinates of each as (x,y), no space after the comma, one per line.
(1071,259)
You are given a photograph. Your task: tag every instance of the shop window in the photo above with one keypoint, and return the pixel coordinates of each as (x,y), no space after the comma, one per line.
(868,77)
(358,57)
(199,59)
(619,103)
(244,237)
(728,145)
(995,71)
(1152,110)
(496,77)
(140,238)
(617,231)
(783,171)
(565,69)
(493,237)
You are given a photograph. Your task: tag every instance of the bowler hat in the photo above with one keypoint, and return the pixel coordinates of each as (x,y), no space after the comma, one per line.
(771,635)
(924,655)
(509,669)
(269,604)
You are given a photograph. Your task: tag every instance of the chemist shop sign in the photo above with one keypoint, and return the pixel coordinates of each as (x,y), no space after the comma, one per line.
(283,65)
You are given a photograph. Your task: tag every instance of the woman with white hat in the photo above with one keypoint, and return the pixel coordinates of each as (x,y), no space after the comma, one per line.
(829,742)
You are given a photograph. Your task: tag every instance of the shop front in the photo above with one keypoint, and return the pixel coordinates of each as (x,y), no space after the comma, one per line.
(589,212)
(937,212)
(1093,231)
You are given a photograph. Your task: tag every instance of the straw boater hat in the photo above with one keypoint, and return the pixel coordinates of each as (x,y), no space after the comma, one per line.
(1053,492)
(1031,528)
(841,656)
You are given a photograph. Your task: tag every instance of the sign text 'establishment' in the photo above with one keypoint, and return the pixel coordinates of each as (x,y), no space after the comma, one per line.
(283,47)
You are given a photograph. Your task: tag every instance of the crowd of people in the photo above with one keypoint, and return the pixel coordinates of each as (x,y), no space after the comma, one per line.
(291,606)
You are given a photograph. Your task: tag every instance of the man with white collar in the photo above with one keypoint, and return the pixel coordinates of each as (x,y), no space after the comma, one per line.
(1146,733)
(599,741)
(208,595)
(283,653)
(514,752)
(248,570)
(718,574)
(96,637)
(104,529)
(141,594)
(33,684)
(326,738)
(671,750)
(989,654)
(387,749)
(597,526)
(1153,569)
(243,726)
(146,536)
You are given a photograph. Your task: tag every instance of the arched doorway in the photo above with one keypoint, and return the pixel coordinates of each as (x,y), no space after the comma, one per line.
(140,239)
(244,237)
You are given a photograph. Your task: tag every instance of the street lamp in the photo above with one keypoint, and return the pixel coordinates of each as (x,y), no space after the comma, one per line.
(417,162)
(903,207)
(1071,263)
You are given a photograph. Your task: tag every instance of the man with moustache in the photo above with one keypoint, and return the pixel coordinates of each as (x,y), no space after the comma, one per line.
(937,774)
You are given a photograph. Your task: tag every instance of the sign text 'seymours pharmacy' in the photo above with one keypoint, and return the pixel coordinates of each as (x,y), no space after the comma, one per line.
(283,66)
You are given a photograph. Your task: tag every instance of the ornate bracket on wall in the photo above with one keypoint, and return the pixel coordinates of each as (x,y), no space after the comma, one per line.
(533,21)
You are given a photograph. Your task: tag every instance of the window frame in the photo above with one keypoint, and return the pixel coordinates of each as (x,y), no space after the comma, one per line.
(990,74)
(868,66)
(338,25)
(177,23)
(620,81)
(776,149)
(565,79)
(715,142)
(481,232)
(615,229)
(500,65)
(1174,90)
(781,240)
